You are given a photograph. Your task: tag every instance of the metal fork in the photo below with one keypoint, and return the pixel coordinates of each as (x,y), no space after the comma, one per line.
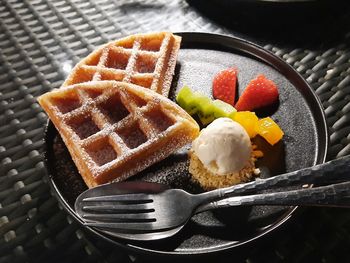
(158,210)
(171,208)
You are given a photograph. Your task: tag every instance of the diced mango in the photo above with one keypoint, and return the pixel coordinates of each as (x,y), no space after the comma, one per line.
(269,130)
(248,120)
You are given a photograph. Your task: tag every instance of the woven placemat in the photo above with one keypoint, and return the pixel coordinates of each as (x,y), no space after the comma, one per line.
(40,42)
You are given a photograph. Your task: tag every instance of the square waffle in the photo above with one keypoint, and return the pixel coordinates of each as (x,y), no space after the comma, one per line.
(114,129)
(147,60)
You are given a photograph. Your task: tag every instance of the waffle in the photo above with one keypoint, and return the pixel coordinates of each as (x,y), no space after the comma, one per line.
(114,129)
(147,60)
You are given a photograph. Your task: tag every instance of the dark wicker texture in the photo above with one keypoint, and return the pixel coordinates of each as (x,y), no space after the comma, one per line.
(41,40)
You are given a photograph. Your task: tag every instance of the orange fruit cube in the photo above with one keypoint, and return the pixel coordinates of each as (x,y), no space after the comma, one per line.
(269,130)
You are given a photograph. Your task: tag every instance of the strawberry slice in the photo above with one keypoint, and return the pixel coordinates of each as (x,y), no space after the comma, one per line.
(260,92)
(224,85)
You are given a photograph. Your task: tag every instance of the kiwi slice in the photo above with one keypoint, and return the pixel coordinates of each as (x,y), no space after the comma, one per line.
(205,108)
(185,98)
(223,109)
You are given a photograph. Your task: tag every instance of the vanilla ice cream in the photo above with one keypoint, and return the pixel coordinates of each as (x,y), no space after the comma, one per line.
(223,146)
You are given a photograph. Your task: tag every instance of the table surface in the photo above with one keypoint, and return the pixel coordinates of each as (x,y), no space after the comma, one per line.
(41,40)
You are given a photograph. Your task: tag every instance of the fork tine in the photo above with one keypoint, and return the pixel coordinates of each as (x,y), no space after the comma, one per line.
(119,208)
(145,198)
(143,226)
(141,217)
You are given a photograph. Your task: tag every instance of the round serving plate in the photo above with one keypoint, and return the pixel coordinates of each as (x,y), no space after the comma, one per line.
(299,113)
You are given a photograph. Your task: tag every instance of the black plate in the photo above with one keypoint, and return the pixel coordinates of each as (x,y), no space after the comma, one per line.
(299,113)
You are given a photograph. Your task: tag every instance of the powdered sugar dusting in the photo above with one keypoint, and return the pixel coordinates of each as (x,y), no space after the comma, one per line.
(83,126)
(141,59)
(102,154)
(67,104)
(132,136)
(141,131)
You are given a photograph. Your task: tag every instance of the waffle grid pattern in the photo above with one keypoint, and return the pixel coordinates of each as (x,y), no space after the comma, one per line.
(105,138)
(146,60)
(40,41)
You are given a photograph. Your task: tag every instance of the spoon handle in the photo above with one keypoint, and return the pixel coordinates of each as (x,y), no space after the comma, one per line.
(335,195)
(334,171)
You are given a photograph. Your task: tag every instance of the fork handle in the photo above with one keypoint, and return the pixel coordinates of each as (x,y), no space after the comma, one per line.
(335,195)
(330,172)
(334,171)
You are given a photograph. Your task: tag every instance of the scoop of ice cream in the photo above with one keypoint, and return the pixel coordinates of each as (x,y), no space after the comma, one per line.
(223,146)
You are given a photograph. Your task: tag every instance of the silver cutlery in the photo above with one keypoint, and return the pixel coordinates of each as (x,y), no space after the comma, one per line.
(148,211)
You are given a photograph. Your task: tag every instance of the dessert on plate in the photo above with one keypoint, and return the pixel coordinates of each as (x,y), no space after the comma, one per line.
(113,114)
(114,129)
(147,60)
(222,155)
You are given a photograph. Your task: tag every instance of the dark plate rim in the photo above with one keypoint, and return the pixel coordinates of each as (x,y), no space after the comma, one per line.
(257,52)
